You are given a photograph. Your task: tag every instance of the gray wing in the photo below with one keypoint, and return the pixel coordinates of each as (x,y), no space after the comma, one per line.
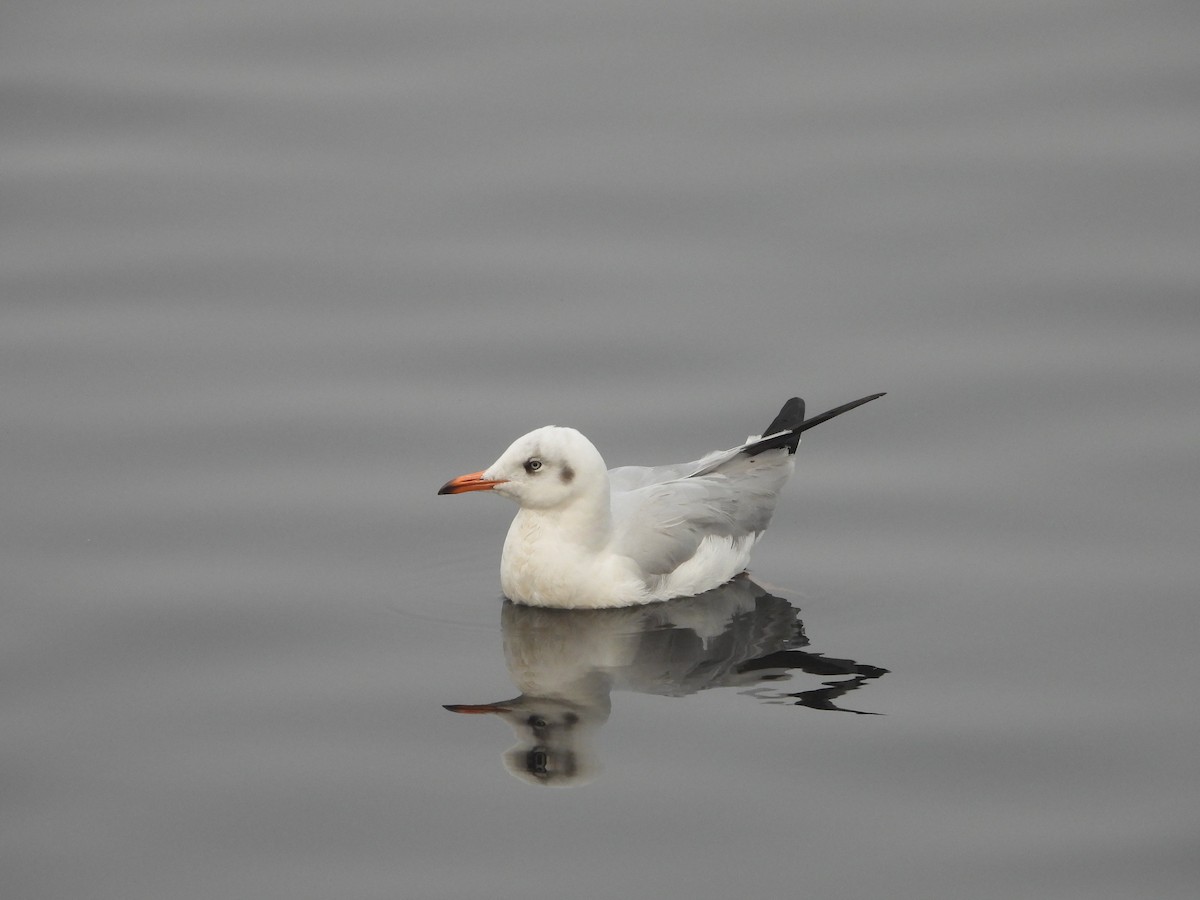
(662,514)
(629,478)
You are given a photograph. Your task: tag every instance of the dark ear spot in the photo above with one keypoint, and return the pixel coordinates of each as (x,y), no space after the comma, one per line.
(567,475)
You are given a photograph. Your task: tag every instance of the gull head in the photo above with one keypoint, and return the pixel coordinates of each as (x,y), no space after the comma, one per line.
(545,469)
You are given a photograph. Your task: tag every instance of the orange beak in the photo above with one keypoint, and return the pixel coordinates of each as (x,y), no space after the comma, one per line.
(463,483)
(477,708)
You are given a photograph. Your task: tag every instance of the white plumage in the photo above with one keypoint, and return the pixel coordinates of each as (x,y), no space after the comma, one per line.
(586,537)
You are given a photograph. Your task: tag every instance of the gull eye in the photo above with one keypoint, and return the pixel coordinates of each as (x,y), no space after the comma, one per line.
(537,761)
(532,465)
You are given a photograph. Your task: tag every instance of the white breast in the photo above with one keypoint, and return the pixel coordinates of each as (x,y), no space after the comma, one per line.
(541,568)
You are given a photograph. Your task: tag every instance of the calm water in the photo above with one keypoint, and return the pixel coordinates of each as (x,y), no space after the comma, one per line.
(272,272)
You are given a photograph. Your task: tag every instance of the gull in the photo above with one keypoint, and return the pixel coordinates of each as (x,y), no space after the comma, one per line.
(567,663)
(586,537)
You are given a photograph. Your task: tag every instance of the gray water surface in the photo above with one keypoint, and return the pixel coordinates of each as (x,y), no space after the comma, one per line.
(272,272)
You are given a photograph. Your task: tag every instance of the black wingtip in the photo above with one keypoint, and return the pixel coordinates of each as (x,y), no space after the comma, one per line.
(782,430)
(785,429)
(789,418)
(826,416)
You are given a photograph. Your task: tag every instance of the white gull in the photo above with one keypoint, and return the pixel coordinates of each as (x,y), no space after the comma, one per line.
(587,537)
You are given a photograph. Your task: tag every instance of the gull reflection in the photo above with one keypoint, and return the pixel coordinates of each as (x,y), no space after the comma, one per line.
(566,663)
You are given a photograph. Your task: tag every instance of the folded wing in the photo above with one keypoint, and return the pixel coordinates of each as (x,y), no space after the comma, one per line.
(662,514)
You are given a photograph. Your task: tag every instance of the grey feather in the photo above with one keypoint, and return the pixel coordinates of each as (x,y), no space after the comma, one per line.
(662,518)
